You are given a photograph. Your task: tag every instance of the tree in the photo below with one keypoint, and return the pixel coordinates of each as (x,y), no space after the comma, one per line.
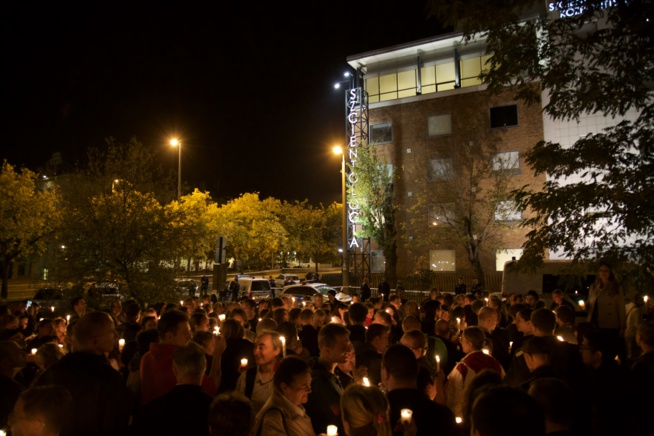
(30,217)
(462,191)
(593,60)
(313,231)
(374,193)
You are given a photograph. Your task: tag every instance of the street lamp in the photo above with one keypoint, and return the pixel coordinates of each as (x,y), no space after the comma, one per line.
(346,282)
(175,143)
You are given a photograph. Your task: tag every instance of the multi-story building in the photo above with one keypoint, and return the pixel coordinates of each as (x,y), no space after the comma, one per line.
(455,149)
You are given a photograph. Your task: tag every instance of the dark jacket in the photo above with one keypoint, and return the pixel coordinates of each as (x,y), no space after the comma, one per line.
(235,350)
(103,404)
(431,418)
(182,411)
(309,337)
(323,405)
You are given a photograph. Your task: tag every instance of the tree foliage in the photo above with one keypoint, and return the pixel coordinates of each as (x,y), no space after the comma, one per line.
(599,62)
(374,194)
(30,216)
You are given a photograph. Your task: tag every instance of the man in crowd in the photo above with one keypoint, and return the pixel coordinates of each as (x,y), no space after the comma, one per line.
(323,405)
(257,382)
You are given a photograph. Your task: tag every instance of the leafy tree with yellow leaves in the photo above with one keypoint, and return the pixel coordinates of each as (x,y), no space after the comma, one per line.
(30,217)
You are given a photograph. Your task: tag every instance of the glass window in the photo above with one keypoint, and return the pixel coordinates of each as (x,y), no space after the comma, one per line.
(470,68)
(440,213)
(507,211)
(439,125)
(428,76)
(504,116)
(440,169)
(504,255)
(442,260)
(388,83)
(445,73)
(372,86)
(381,133)
(507,162)
(407,80)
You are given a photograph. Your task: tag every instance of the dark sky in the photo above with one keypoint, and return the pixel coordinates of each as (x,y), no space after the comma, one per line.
(247,86)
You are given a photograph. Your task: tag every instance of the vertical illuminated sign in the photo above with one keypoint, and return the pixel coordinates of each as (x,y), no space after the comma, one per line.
(356,103)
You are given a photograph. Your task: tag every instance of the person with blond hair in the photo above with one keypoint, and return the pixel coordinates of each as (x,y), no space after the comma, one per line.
(365,411)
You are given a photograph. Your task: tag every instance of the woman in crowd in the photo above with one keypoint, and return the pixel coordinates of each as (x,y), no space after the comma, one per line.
(365,411)
(283,413)
(606,306)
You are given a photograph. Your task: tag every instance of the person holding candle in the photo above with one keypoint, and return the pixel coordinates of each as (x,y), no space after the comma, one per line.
(256,382)
(606,306)
(400,379)
(284,413)
(323,404)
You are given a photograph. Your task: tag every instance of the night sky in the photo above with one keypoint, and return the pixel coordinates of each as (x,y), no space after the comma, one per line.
(246,86)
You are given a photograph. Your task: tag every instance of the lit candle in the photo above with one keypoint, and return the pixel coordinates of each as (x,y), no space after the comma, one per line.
(560,338)
(52,308)
(406,415)
(438,363)
(181,302)
(293,298)
(582,305)
(221,317)
(332,430)
(61,345)
(510,345)
(244,363)
(458,420)
(67,319)
(216,330)
(121,344)
(283,339)
(259,319)
(485,351)
(458,324)
(334,319)
(645,298)
(33,350)
(366,382)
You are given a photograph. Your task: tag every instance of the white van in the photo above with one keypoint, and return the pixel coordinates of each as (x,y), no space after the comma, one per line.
(257,288)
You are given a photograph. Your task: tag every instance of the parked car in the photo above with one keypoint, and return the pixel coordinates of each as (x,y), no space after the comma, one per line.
(280,281)
(186,287)
(307,291)
(101,295)
(257,288)
(52,301)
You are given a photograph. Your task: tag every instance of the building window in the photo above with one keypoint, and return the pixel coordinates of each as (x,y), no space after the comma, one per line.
(442,260)
(504,116)
(507,211)
(381,133)
(440,170)
(440,214)
(507,162)
(438,125)
(504,255)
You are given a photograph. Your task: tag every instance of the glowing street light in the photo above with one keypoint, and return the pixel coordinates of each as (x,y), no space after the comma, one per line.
(176,143)
(337,149)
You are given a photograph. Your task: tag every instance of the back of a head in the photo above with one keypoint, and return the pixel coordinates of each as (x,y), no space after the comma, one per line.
(411,323)
(443,328)
(146,337)
(400,363)
(366,410)
(507,411)
(646,332)
(477,305)
(288,330)
(89,326)
(52,405)
(566,314)
(231,414)
(329,333)
(543,320)
(276,302)
(537,345)
(609,345)
(485,313)
(358,313)
(189,361)
(476,337)
(266,324)
(169,322)
(232,329)
(374,331)
(416,337)
(289,368)
(429,308)
(533,293)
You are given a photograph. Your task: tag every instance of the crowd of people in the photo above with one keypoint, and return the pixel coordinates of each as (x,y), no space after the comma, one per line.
(459,363)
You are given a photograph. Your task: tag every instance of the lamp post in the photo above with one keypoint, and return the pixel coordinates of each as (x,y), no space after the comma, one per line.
(175,143)
(344,267)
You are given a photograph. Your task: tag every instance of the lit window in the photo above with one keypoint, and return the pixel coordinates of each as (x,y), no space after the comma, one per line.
(507,162)
(442,260)
(438,125)
(440,170)
(381,133)
(507,211)
(504,116)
